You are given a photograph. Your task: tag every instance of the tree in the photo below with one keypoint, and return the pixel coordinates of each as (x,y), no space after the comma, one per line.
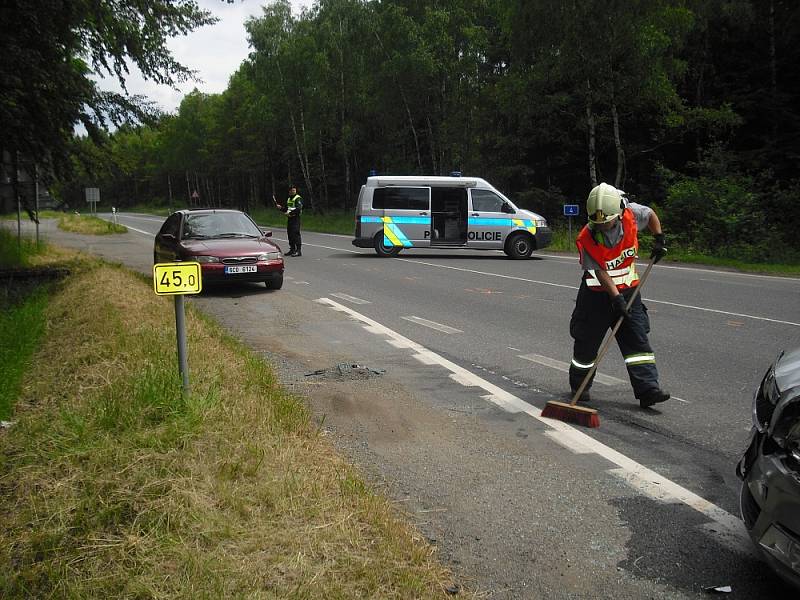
(51,48)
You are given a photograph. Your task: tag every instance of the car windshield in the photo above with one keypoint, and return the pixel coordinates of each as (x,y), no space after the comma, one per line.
(219,225)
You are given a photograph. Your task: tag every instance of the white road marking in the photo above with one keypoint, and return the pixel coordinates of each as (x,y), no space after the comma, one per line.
(729,530)
(698,269)
(724,312)
(349,298)
(140,231)
(432,324)
(129,216)
(562,366)
(572,287)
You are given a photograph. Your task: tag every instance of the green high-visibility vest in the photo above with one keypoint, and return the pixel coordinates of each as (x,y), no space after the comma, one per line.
(290,203)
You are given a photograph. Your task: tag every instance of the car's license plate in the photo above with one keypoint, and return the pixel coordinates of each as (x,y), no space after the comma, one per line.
(242,269)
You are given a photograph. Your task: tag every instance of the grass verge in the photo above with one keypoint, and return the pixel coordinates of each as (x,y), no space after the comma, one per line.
(88,224)
(113,483)
(16,252)
(21,328)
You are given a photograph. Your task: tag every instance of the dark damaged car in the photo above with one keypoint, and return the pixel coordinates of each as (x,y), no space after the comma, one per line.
(228,244)
(770,468)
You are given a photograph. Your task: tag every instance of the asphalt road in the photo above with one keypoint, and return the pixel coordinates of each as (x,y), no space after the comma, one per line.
(493,336)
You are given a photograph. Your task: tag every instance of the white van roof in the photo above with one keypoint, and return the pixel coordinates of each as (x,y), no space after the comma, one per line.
(432,181)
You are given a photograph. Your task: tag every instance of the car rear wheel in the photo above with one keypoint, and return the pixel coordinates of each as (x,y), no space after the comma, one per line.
(383,250)
(519,246)
(275,283)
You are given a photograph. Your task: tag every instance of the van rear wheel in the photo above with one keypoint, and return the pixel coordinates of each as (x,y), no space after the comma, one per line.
(383,250)
(519,246)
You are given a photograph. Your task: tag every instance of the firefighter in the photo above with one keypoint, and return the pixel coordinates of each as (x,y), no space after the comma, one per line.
(607,246)
(294,208)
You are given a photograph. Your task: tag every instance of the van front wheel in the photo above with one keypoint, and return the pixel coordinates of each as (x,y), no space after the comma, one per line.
(519,246)
(383,250)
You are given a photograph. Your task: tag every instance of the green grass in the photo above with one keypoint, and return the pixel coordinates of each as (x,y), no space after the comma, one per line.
(335,222)
(21,328)
(88,224)
(17,252)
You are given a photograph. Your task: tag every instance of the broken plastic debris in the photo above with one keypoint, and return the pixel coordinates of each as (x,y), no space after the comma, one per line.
(718,589)
(7,424)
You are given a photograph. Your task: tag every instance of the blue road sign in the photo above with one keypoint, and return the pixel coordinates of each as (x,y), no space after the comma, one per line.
(572,210)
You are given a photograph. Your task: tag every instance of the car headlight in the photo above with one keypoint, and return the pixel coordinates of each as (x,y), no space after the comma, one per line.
(540,223)
(269,256)
(206,259)
(786,430)
(764,401)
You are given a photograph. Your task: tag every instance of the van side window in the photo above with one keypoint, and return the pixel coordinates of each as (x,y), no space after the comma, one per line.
(486,201)
(400,198)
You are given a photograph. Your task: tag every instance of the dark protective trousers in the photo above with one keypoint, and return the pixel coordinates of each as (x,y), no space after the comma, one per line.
(293,231)
(591,319)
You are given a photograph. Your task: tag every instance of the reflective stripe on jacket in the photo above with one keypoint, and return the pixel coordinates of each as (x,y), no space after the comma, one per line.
(619,260)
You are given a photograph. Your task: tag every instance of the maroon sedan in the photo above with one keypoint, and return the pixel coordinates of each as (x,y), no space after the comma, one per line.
(227,243)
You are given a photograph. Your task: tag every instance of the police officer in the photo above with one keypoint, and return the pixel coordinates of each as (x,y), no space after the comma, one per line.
(608,245)
(294,208)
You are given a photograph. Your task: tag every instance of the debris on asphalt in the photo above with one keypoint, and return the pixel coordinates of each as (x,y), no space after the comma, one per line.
(452,589)
(718,589)
(347,371)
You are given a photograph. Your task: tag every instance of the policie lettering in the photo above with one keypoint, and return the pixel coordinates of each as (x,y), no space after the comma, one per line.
(485,236)
(480,236)
(624,255)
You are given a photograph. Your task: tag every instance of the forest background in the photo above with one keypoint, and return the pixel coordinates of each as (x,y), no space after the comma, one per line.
(690,106)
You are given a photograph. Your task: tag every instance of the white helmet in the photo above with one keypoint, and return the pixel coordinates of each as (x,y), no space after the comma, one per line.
(605,203)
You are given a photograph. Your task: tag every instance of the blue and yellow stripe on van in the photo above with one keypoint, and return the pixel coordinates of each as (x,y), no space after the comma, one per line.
(393,234)
(526,224)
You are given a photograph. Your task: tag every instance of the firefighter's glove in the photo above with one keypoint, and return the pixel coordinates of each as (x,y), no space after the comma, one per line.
(619,308)
(659,248)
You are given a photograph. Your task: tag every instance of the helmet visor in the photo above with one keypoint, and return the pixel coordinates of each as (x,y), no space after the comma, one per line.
(599,217)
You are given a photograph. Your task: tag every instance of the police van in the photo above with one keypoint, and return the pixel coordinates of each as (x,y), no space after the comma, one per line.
(397,212)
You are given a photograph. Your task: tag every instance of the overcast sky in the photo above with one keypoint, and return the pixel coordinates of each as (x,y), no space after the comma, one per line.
(214,51)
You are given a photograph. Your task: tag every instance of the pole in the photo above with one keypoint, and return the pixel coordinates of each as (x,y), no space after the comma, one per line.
(36,201)
(570,230)
(169,184)
(16,196)
(180,329)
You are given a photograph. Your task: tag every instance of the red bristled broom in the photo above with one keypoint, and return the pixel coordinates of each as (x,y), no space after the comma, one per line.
(582,415)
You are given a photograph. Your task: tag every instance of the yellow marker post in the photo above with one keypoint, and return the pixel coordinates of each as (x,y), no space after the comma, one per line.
(177,279)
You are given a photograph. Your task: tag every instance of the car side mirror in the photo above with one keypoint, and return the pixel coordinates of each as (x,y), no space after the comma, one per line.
(266,232)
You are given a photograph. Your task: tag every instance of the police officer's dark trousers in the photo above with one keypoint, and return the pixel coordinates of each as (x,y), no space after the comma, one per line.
(591,319)
(293,231)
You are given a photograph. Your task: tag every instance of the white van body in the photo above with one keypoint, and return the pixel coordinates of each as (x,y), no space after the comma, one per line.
(396,212)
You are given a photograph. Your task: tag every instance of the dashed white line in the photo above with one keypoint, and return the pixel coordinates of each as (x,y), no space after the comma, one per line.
(562,366)
(729,529)
(432,324)
(349,298)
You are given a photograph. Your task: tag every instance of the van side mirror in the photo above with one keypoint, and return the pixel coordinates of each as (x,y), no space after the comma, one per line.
(506,208)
